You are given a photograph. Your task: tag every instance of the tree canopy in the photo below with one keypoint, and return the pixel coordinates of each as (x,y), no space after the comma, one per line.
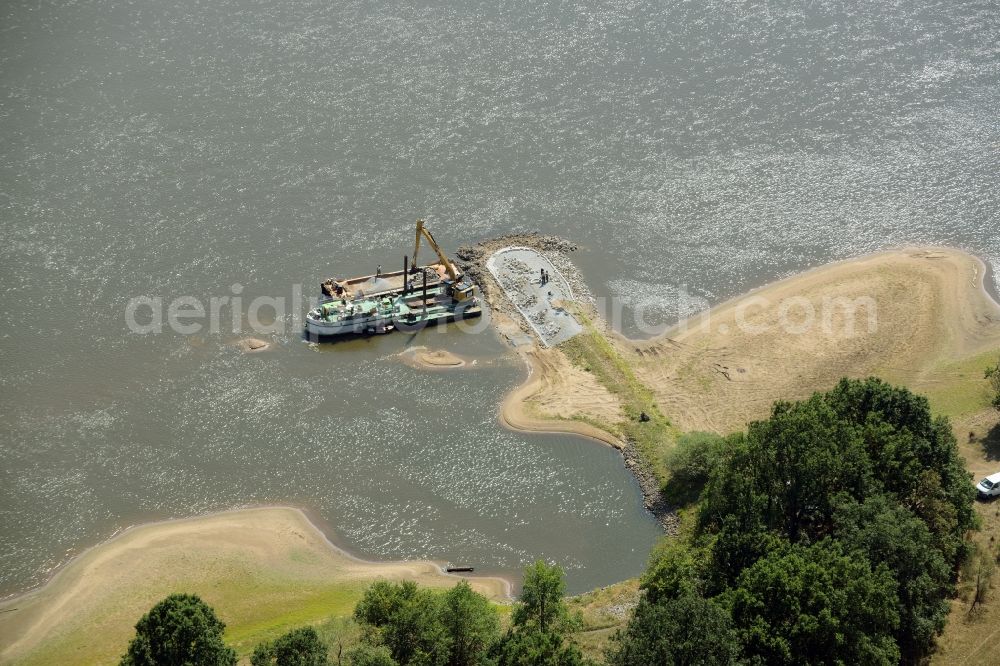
(370,655)
(812,604)
(471,622)
(534,647)
(829,533)
(181,629)
(540,604)
(299,647)
(421,626)
(405,625)
(540,623)
(684,630)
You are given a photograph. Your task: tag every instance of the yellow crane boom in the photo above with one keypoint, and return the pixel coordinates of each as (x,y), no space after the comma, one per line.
(423,232)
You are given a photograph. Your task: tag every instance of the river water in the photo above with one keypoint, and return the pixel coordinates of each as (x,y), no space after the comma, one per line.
(166,148)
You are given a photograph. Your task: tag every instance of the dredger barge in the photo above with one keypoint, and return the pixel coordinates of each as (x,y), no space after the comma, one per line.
(409,299)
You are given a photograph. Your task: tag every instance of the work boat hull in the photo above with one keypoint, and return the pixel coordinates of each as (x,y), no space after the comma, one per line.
(402,316)
(364,325)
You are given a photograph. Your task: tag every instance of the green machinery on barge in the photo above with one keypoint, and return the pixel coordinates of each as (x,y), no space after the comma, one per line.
(406,300)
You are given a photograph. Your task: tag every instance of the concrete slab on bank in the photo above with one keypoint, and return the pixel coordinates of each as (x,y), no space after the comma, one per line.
(518,271)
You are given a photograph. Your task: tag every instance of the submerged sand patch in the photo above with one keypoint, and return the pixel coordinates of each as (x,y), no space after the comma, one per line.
(253,345)
(433,359)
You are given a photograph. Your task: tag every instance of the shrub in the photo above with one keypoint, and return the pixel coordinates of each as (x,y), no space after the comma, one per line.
(299,647)
(993,375)
(694,456)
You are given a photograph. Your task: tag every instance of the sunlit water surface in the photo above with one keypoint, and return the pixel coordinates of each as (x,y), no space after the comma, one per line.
(693,149)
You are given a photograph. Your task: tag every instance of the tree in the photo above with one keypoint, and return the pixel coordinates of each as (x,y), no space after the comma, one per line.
(981,569)
(370,655)
(415,633)
(675,570)
(690,463)
(407,620)
(684,630)
(381,600)
(181,629)
(914,457)
(263,655)
(541,603)
(533,647)
(993,374)
(811,604)
(884,532)
(782,474)
(419,626)
(859,489)
(471,622)
(694,455)
(299,647)
(860,439)
(540,623)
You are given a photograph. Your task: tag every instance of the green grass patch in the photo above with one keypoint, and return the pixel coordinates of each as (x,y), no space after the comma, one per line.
(282,613)
(603,612)
(593,352)
(255,609)
(959,389)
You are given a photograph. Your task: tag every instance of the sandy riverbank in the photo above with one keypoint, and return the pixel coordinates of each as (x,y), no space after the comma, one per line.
(264,570)
(929,313)
(933,326)
(936,327)
(554,394)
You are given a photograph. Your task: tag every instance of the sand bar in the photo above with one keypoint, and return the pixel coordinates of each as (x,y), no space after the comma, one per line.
(251,565)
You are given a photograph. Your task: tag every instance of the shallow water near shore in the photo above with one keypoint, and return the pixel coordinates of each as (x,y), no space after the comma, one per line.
(398,463)
(694,150)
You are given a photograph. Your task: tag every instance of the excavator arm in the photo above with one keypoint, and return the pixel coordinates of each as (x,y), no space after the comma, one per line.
(459,291)
(423,232)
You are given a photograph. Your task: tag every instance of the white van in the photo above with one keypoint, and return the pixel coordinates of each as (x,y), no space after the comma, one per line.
(990,486)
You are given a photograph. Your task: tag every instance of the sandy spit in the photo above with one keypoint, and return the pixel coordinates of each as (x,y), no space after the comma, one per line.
(719,369)
(563,388)
(103,592)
